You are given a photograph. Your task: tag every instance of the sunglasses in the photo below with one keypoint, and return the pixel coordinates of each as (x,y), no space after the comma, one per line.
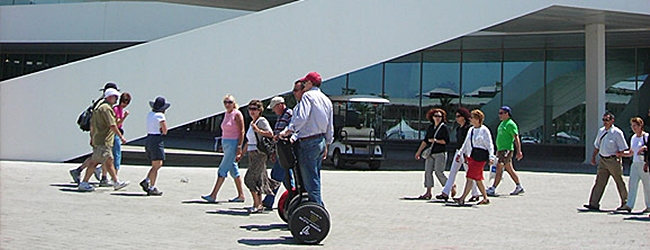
(458,116)
(296,90)
(228,102)
(502,113)
(437,116)
(606,119)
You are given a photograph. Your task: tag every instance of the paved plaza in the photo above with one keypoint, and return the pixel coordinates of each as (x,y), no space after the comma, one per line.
(41,209)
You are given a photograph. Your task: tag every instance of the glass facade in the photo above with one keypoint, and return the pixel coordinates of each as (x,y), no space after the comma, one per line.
(545,87)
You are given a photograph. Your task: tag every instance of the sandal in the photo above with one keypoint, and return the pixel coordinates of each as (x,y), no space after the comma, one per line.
(236,199)
(442,196)
(253,210)
(459,201)
(208,199)
(424,197)
(483,202)
(474,198)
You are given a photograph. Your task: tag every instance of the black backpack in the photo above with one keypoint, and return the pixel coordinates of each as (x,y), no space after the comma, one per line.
(84,118)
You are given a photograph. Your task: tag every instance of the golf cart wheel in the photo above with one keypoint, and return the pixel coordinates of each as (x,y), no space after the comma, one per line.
(374,165)
(310,223)
(336,159)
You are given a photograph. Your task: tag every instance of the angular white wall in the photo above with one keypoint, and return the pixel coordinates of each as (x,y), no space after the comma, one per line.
(252,57)
(104,21)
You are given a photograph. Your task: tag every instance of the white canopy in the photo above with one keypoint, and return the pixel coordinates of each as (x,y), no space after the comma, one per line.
(402,131)
(359,98)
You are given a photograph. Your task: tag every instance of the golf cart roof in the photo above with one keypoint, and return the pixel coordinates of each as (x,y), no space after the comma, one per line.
(359,98)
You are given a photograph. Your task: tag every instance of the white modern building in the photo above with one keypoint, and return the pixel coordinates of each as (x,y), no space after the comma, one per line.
(559,64)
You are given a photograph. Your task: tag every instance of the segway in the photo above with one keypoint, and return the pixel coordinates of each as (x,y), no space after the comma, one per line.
(309,222)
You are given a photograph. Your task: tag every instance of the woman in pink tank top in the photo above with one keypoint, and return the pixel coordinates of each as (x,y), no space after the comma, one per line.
(232,136)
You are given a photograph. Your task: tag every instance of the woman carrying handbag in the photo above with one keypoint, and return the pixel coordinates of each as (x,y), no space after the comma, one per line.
(435,155)
(477,150)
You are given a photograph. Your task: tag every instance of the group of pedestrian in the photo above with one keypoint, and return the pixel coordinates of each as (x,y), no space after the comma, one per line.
(308,124)
(610,146)
(107,136)
(475,149)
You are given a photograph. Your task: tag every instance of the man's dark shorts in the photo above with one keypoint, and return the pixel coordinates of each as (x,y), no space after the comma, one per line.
(504,156)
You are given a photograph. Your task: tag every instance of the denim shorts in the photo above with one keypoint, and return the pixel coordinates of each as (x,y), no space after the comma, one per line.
(155,147)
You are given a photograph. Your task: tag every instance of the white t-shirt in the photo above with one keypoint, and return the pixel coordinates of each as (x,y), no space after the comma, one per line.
(153,122)
(262,124)
(635,144)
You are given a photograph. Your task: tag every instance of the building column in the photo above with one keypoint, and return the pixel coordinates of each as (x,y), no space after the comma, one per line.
(594,83)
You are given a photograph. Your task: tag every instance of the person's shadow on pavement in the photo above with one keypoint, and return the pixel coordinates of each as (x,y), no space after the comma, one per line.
(284,240)
(281,227)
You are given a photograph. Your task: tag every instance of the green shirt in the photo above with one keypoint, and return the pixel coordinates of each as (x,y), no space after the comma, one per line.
(101,121)
(506,135)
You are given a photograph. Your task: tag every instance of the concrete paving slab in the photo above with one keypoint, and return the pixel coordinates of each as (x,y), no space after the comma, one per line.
(40,209)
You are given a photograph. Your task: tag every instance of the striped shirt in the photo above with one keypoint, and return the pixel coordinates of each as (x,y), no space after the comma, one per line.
(283,121)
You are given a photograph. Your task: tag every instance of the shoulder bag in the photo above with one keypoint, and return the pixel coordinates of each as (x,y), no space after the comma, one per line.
(427,151)
(264,144)
(478,154)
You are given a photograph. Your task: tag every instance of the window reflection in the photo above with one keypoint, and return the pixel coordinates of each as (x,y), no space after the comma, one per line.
(367,81)
(482,84)
(523,91)
(545,89)
(402,117)
(621,87)
(441,85)
(565,96)
(335,86)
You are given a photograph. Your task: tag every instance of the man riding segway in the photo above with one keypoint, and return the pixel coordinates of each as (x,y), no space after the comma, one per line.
(310,132)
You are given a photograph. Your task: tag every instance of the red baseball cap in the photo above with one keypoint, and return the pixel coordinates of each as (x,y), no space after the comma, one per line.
(314,77)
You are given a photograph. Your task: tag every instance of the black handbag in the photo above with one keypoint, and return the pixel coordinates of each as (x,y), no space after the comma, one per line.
(478,154)
(265,144)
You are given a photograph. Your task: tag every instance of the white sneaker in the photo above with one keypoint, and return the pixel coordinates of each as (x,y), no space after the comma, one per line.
(518,190)
(84,186)
(120,184)
(490,191)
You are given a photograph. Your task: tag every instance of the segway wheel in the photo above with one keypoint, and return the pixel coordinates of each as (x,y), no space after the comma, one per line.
(309,223)
(293,203)
(282,205)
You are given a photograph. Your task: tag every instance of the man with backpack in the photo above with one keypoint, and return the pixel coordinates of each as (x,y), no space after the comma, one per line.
(103,129)
(84,124)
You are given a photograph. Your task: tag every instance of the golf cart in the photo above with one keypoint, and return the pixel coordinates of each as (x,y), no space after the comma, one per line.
(355,139)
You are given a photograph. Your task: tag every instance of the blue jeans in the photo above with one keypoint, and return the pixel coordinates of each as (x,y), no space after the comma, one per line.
(117,152)
(310,160)
(277,173)
(228,164)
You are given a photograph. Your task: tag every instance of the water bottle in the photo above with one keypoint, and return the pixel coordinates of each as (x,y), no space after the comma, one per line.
(493,171)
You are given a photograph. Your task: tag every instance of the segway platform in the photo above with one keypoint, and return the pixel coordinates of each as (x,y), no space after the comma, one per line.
(309,222)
